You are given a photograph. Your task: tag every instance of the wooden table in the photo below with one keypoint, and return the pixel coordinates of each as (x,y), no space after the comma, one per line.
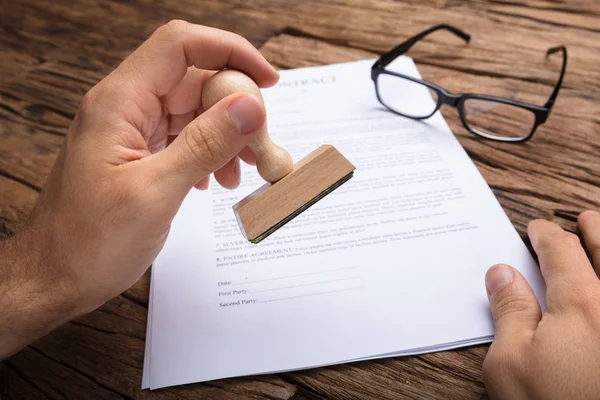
(53,51)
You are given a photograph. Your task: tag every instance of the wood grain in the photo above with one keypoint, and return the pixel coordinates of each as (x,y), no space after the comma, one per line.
(53,52)
(312,176)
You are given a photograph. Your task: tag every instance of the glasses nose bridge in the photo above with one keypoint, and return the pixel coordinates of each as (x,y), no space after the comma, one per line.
(451,99)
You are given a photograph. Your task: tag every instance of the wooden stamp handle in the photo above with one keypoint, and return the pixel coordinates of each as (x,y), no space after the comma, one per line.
(272,162)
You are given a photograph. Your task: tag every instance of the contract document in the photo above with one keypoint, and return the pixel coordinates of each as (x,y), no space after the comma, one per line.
(391,263)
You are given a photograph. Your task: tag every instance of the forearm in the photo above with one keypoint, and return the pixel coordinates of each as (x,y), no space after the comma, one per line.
(33,298)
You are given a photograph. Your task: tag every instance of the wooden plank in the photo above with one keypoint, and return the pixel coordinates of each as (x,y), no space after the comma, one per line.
(552,17)
(444,375)
(47,378)
(500,46)
(27,154)
(55,51)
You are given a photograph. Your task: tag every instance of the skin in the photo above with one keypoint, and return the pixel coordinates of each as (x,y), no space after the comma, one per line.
(554,355)
(107,206)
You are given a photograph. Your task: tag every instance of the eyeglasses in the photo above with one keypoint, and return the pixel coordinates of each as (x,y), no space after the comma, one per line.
(492,117)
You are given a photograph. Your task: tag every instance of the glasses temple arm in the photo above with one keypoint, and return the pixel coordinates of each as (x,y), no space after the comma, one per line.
(554,94)
(405,46)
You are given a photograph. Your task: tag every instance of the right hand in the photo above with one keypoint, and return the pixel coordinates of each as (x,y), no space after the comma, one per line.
(555,355)
(107,205)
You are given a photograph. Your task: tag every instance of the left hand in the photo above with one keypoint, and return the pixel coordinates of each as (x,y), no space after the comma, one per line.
(555,355)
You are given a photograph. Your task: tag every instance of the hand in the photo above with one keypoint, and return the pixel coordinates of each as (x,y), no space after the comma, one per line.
(555,355)
(106,208)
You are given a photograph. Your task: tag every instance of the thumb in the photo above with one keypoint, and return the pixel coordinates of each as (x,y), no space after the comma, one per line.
(515,309)
(211,140)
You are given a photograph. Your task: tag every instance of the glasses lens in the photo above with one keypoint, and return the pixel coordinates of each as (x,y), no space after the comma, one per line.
(401,95)
(498,120)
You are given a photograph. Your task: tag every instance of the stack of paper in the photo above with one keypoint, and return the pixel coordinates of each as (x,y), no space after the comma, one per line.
(391,263)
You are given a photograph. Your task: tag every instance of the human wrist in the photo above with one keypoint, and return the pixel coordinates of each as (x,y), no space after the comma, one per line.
(35,295)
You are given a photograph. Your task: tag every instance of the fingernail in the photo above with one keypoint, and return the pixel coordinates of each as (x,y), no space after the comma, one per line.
(498,277)
(246,113)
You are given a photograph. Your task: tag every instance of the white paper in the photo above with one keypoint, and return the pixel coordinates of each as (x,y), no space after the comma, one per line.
(391,263)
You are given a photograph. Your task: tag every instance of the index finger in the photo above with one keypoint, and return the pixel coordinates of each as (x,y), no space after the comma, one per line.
(563,262)
(161,62)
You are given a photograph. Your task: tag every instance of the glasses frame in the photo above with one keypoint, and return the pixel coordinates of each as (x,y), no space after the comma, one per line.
(457,101)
